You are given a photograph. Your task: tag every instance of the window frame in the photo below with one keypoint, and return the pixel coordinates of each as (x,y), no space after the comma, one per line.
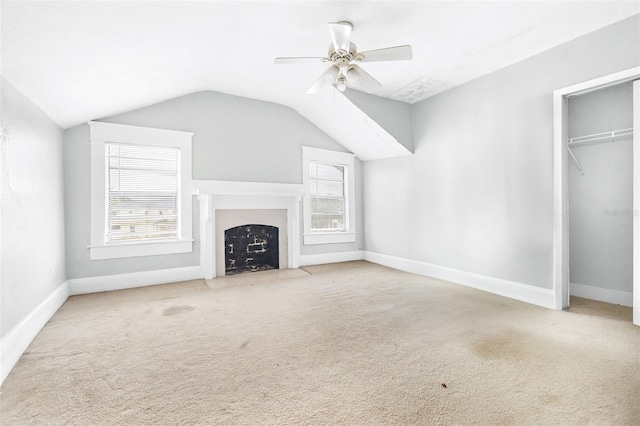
(330,236)
(102,133)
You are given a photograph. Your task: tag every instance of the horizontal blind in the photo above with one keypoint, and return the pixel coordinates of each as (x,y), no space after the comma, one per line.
(327,192)
(143,192)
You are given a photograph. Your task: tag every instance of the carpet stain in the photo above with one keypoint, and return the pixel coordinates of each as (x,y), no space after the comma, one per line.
(174,310)
(244,345)
(548,399)
(507,345)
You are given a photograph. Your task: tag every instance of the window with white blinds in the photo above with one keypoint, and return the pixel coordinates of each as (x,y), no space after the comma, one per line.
(327,193)
(141,197)
(143,192)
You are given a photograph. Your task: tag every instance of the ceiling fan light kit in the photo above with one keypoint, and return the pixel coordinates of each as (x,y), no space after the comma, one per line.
(342,54)
(332,74)
(353,75)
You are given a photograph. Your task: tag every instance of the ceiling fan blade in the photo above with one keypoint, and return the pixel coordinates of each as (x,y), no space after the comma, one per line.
(327,77)
(363,81)
(340,35)
(396,53)
(295,60)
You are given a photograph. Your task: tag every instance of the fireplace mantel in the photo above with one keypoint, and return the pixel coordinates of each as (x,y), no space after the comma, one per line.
(267,189)
(229,195)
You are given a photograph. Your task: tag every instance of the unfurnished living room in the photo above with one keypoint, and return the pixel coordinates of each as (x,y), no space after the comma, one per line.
(320,213)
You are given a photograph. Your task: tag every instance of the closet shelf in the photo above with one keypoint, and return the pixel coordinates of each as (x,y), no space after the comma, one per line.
(606,137)
(613,136)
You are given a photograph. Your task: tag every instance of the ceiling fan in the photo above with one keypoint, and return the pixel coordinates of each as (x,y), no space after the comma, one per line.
(344,71)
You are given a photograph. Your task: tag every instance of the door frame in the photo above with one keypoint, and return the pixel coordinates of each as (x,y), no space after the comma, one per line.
(560,185)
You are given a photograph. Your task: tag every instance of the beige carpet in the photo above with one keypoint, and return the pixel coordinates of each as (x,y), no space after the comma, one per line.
(348,344)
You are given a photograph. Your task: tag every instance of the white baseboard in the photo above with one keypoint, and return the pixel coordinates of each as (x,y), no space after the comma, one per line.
(319,259)
(14,343)
(514,290)
(18,339)
(134,279)
(618,297)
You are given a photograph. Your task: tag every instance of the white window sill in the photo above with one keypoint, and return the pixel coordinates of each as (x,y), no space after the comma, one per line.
(148,248)
(329,238)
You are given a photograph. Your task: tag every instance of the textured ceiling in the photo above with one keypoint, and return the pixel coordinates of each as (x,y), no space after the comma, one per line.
(82,60)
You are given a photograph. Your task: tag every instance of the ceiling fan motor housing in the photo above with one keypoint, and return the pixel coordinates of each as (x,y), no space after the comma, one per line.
(347,72)
(342,58)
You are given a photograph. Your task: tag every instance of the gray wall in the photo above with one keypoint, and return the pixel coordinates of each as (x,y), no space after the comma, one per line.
(32,208)
(477,195)
(601,198)
(393,116)
(235,138)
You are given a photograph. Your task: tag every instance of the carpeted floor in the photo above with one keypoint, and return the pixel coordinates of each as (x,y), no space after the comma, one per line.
(344,344)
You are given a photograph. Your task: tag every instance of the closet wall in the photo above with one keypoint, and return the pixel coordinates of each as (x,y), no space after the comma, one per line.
(601,197)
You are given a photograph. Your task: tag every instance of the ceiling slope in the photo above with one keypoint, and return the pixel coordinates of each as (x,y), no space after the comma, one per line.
(83,60)
(350,126)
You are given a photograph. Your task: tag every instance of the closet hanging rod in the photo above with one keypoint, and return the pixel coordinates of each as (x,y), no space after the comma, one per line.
(601,137)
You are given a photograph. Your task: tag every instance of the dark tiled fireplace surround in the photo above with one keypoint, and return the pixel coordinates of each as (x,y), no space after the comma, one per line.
(251,248)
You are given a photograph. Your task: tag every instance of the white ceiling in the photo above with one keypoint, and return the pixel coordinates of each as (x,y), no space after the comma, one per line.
(82,60)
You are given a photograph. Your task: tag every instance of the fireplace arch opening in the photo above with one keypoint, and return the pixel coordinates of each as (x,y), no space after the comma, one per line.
(251,248)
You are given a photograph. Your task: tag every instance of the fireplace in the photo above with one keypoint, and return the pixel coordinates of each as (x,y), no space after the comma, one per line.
(254,234)
(225,205)
(251,248)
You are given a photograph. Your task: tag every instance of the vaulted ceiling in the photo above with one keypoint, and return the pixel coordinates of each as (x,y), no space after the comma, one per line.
(82,60)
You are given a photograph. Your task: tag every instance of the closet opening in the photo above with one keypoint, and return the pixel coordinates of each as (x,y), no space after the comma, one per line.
(600,187)
(597,191)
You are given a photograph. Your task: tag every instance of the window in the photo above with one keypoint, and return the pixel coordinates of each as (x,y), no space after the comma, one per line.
(142,192)
(140,196)
(327,193)
(329,214)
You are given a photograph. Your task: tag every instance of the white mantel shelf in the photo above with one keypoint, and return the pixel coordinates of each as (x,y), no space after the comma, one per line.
(221,187)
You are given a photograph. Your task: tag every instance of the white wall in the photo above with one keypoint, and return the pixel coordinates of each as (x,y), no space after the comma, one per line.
(477,195)
(235,138)
(33,265)
(601,198)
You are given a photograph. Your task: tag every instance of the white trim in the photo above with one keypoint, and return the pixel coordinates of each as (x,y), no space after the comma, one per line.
(600,83)
(207,223)
(223,195)
(618,297)
(323,258)
(329,238)
(266,189)
(294,232)
(133,280)
(346,160)
(101,133)
(636,202)
(514,290)
(115,251)
(124,133)
(560,201)
(18,339)
(560,187)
